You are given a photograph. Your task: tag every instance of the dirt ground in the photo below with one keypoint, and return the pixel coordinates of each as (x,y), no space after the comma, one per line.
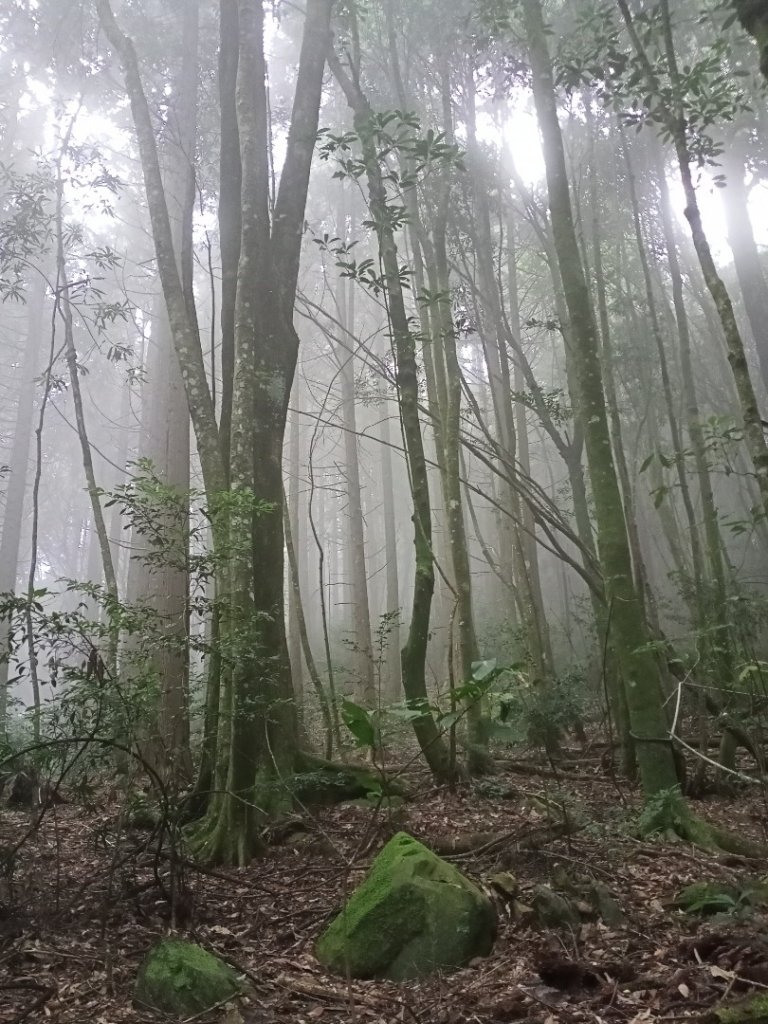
(78,911)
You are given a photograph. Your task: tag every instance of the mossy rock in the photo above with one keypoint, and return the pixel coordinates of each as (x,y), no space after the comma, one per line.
(413,914)
(553,910)
(181,979)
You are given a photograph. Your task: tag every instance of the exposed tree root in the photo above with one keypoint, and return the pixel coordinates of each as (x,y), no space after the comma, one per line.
(667,814)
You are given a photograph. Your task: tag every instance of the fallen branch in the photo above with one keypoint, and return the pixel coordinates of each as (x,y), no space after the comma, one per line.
(322,990)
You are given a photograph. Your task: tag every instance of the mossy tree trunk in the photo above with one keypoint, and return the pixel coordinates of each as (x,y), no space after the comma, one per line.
(629,632)
(263,731)
(257,724)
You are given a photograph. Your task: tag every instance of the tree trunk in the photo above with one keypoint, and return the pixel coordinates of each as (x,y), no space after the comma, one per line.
(13,512)
(630,637)
(415,651)
(746,258)
(393,613)
(356,564)
(295,611)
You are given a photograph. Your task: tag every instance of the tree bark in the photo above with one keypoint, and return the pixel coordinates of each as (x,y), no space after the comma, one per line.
(629,632)
(415,651)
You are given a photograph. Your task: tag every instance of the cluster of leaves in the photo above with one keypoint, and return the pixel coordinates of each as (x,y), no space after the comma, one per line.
(532,712)
(26,226)
(365,725)
(722,436)
(74,626)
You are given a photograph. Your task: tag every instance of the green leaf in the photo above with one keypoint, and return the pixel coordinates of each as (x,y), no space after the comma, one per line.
(481,670)
(449,719)
(359,723)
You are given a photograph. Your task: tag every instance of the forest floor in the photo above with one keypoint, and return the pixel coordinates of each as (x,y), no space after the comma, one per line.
(78,912)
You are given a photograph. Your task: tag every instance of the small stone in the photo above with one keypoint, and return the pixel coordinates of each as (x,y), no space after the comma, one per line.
(553,910)
(522,912)
(606,904)
(505,883)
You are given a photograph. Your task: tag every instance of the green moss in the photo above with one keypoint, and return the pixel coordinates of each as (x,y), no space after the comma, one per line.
(413,914)
(181,979)
(751,1011)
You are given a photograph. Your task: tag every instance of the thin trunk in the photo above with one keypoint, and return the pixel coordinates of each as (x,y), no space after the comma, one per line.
(294,592)
(301,626)
(415,651)
(526,537)
(64,309)
(230,185)
(714,548)
(356,563)
(13,513)
(392,611)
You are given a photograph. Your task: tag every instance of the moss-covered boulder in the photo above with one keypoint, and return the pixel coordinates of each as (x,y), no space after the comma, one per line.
(412,915)
(181,979)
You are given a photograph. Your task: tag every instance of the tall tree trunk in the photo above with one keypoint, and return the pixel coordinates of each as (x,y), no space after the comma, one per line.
(393,613)
(629,633)
(246,503)
(13,513)
(356,562)
(746,258)
(295,611)
(414,653)
(263,726)
(230,185)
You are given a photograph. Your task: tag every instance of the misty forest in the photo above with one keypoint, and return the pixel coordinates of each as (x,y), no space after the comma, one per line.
(384,511)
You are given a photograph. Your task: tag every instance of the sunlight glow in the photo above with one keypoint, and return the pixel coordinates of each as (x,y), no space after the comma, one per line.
(523,145)
(713,216)
(515,132)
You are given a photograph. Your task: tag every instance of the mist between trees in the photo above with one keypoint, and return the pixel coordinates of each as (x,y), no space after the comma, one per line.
(383,375)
